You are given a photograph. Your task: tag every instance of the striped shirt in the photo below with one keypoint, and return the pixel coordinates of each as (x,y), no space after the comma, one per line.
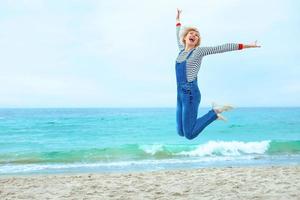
(194,61)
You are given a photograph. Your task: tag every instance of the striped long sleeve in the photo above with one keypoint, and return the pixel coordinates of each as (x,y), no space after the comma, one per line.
(204,51)
(180,45)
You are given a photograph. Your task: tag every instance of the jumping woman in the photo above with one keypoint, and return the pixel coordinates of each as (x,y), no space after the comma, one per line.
(187,66)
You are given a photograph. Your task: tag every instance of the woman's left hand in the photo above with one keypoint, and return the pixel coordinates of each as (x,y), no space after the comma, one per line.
(253,45)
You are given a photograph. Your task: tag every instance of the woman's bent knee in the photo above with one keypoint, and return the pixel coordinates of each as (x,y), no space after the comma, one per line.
(180,133)
(189,136)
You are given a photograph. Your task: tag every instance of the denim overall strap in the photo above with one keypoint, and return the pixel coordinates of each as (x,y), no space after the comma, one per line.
(180,68)
(181,51)
(190,54)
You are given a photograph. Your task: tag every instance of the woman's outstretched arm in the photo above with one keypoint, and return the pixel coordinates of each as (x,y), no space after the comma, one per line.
(178,26)
(204,51)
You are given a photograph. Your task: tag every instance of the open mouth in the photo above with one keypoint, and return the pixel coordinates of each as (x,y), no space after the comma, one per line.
(191,39)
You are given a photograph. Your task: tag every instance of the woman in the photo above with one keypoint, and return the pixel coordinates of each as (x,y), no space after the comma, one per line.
(187,66)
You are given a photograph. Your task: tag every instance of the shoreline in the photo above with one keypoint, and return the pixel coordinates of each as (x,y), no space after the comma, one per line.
(142,166)
(148,170)
(254,182)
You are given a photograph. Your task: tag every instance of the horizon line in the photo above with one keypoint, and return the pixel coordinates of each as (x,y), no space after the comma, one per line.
(139,107)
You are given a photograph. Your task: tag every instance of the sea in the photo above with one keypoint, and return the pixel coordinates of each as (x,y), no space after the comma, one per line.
(87,140)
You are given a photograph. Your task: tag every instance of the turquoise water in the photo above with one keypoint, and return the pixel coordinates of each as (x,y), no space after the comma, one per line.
(139,139)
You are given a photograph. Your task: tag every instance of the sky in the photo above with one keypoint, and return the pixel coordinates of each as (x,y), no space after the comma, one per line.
(88,53)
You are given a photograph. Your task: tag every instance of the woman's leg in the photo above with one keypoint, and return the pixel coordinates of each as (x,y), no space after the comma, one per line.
(189,116)
(203,122)
(192,126)
(179,116)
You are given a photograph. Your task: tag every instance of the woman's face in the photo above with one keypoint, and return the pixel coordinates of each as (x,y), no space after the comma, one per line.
(192,38)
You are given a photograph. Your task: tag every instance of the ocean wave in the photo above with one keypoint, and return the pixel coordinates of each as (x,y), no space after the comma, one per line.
(155,152)
(284,147)
(233,148)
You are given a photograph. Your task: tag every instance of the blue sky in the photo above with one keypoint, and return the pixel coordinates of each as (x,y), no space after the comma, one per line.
(122,53)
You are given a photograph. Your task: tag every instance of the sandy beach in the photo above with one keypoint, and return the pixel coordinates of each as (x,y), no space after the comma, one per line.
(207,183)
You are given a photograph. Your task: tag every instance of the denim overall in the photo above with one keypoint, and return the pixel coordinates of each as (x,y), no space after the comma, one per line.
(188,100)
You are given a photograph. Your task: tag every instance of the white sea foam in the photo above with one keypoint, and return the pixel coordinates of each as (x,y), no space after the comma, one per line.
(233,148)
(153,163)
(152,149)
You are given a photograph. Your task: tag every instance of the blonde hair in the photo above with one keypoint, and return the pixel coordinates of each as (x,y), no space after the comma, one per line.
(186,31)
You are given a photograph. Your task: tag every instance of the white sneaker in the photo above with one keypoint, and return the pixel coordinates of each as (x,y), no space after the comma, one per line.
(219,109)
(221,117)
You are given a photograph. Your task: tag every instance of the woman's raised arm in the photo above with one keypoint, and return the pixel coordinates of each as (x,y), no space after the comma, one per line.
(178,26)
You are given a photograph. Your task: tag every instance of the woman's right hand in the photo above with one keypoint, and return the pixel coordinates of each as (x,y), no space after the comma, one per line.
(178,15)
